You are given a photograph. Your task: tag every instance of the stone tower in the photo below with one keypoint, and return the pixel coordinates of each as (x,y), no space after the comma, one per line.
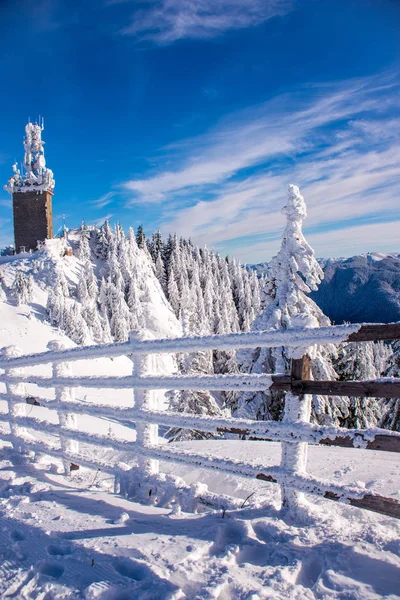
(32,192)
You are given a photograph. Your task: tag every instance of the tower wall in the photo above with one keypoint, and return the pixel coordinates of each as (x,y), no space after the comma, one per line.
(33,218)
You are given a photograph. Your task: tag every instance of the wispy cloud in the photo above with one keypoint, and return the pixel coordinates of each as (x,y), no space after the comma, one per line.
(340,143)
(166,21)
(104,200)
(282,127)
(101,220)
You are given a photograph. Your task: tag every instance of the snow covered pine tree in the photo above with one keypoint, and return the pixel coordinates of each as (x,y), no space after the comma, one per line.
(294,272)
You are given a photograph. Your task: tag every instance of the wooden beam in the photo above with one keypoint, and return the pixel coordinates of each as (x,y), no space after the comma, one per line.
(301,368)
(379,504)
(361,389)
(372,333)
(383,443)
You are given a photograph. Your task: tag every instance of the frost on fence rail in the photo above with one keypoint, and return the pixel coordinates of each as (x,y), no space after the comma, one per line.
(294,432)
(149,382)
(14,394)
(297,337)
(64,396)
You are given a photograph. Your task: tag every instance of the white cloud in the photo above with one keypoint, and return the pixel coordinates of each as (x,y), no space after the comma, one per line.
(287,126)
(340,143)
(376,237)
(104,200)
(166,21)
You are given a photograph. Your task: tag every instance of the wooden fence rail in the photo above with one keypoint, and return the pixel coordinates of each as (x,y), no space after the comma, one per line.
(294,432)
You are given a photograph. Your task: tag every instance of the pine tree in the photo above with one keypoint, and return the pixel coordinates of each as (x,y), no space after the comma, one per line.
(293,273)
(22,288)
(120,317)
(83,244)
(173,294)
(359,362)
(140,238)
(160,272)
(103,240)
(3,296)
(156,245)
(74,324)
(391,408)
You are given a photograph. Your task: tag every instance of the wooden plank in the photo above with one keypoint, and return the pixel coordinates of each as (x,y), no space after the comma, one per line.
(379,504)
(301,367)
(361,389)
(383,443)
(371,333)
(281,382)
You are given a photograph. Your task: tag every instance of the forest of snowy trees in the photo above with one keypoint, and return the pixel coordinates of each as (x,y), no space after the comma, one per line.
(210,294)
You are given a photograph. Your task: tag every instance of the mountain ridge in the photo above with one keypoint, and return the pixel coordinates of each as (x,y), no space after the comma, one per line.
(361,288)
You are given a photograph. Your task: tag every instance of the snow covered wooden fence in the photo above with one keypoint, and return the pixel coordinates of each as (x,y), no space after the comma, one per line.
(142,477)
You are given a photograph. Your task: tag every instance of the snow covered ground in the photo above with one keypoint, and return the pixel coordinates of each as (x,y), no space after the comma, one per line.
(73,538)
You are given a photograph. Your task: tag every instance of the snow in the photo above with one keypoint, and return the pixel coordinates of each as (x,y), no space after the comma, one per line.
(35,175)
(74,537)
(71,538)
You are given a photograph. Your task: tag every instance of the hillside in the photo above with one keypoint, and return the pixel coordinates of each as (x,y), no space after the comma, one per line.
(363,288)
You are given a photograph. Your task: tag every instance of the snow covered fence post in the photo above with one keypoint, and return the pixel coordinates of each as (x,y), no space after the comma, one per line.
(146,434)
(16,407)
(294,455)
(66,420)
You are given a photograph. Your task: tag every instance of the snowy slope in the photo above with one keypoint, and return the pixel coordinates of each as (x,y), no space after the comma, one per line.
(27,327)
(72,539)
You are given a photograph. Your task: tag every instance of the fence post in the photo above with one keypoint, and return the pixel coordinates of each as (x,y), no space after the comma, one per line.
(294,455)
(146,434)
(16,408)
(66,420)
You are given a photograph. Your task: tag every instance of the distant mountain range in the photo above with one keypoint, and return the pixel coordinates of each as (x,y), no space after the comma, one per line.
(364,288)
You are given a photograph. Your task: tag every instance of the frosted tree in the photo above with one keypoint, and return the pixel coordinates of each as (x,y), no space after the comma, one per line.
(3,296)
(103,241)
(84,252)
(87,294)
(120,318)
(22,288)
(160,272)
(173,293)
(103,310)
(74,324)
(196,402)
(294,272)
(360,362)
(56,302)
(140,238)
(156,245)
(391,412)
(134,303)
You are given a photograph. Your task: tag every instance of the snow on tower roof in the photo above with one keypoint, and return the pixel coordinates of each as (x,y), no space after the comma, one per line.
(35,176)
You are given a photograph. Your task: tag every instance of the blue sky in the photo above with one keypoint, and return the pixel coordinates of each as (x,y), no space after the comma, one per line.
(194,115)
